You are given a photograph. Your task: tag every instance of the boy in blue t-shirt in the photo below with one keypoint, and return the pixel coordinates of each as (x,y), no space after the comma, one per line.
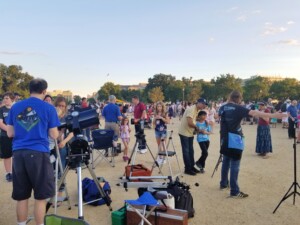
(203,139)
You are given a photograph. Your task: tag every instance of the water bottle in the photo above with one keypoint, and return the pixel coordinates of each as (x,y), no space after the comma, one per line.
(142,124)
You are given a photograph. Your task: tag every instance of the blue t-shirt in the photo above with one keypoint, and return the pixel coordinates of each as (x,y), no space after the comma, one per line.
(32,118)
(292,110)
(111,112)
(203,126)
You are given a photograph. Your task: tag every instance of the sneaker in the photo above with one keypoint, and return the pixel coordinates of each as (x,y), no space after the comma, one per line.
(190,172)
(196,170)
(224,188)
(239,195)
(8,177)
(202,170)
(198,166)
(143,151)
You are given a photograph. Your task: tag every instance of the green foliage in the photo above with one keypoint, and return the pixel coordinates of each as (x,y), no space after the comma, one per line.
(91,101)
(173,91)
(108,89)
(77,99)
(156,94)
(287,88)
(14,80)
(225,84)
(256,88)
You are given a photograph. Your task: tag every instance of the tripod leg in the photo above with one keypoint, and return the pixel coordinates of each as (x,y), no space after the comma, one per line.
(153,158)
(79,185)
(217,165)
(62,171)
(284,198)
(102,192)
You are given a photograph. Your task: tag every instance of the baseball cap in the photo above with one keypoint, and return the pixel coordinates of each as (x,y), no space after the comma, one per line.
(261,103)
(202,100)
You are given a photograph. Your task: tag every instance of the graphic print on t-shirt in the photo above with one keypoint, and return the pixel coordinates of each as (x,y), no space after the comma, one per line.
(28,118)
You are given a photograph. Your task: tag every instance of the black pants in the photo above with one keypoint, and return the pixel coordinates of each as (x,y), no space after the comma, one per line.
(291,130)
(204,145)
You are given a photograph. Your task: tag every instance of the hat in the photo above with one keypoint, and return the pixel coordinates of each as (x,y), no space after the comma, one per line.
(288,100)
(261,103)
(202,100)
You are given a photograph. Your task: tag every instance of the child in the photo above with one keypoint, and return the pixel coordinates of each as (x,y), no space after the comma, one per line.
(125,136)
(203,139)
(160,122)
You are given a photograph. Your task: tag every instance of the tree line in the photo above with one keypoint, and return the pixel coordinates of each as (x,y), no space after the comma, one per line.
(163,87)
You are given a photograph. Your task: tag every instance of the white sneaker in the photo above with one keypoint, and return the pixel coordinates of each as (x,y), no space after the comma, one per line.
(160,161)
(143,151)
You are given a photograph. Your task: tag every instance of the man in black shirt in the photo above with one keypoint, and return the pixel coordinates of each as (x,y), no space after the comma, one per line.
(232,140)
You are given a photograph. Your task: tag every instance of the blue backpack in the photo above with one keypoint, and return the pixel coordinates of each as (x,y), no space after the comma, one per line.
(90,192)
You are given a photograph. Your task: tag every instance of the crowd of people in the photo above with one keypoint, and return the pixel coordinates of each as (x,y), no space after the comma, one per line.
(29,130)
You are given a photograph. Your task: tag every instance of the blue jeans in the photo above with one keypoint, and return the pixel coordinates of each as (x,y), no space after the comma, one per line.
(187,151)
(234,166)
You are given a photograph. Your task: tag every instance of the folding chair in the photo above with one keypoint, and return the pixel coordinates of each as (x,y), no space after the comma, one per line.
(60,220)
(103,145)
(146,199)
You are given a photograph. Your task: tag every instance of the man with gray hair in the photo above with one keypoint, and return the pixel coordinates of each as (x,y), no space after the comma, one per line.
(112,114)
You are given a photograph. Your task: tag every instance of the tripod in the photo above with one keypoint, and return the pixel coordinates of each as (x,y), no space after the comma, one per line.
(217,165)
(80,154)
(140,137)
(295,183)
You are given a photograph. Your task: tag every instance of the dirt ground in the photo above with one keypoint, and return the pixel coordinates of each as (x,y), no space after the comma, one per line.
(265,180)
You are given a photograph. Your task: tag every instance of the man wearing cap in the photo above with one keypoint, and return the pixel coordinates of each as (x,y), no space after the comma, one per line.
(186,134)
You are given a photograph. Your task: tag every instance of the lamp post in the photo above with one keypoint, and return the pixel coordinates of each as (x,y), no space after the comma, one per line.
(182,95)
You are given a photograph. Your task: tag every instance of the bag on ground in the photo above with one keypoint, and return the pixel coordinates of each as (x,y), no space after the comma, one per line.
(90,192)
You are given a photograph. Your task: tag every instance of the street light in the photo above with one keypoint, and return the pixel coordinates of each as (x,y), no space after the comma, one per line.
(182,94)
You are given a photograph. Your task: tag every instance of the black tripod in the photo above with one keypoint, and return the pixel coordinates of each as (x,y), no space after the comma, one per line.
(220,159)
(140,138)
(295,183)
(80,154)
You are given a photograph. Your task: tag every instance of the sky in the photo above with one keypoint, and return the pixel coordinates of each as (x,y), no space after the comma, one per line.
(79,45)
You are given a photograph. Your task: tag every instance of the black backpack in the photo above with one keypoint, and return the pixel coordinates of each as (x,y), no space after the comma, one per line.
(183,197)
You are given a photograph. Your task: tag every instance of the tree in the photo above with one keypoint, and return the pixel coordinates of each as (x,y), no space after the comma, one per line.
(225,84)
(159,80)
(287,88)
(173,92)
(156,94)
(127,95)
(14,80)
(256,88)
(77,99)
(91,101)
(108,89)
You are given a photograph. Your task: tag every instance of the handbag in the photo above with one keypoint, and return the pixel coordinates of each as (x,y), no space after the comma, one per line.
(235,141)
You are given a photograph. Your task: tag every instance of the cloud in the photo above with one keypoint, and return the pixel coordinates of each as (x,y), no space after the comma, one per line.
(21,53)
(291,22)
(232,9)
(256,11)
(292,42)
(10,53)
(212,39)
(272,30)
(241,18)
